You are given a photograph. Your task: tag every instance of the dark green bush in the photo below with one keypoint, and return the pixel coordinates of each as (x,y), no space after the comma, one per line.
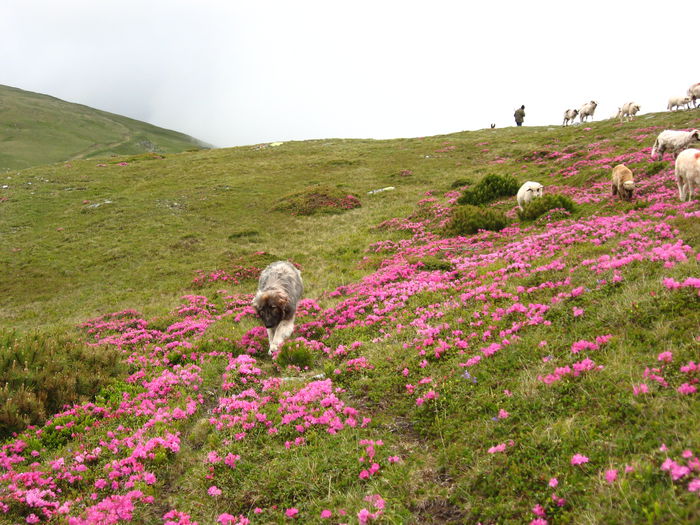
(40,373)
(542,205)
(470,219)
(490,188)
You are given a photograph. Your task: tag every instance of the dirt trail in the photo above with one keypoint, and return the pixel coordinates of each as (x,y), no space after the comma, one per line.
(126,137)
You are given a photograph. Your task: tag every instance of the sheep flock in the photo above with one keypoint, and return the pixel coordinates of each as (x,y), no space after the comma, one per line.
(675,142)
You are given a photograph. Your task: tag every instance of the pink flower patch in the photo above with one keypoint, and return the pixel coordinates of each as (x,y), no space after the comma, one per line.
(611,475)
(666,357)
(579,459)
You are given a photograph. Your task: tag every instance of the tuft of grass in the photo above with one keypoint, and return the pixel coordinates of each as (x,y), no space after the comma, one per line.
(296,354)
(317,200)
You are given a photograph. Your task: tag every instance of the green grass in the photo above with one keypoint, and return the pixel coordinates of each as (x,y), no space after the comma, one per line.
(38,129)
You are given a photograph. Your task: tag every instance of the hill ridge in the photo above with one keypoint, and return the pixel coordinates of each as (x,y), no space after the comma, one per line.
(40,129)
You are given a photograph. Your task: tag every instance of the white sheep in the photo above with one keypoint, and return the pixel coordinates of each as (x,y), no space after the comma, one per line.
(587,110)
(528,191)
(688,173)
(569,116)
(628,109)
(677,102)
(622,182)
(694,93)
(673,141)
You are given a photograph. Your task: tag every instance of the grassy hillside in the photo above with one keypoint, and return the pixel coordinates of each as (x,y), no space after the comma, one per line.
(544,373)
(38,129)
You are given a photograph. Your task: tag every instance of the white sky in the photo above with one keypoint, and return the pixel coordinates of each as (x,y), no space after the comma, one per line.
(242,72)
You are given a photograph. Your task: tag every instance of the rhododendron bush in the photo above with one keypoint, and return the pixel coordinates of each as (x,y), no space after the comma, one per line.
(528,375)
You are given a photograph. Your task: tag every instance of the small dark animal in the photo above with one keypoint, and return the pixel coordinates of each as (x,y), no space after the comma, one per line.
(279,290)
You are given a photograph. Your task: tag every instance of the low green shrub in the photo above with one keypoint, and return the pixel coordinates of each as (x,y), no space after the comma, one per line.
(467,220)
(40,373)
(317,199)
(488,189)
(295,353)
(537,207)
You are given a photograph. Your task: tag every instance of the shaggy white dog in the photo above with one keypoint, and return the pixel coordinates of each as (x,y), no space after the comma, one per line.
(279,290)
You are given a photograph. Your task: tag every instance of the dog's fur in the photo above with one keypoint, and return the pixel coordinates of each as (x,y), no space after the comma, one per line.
(279,290)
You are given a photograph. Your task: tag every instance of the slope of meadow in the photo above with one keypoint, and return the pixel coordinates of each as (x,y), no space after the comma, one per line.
(546,373)
(38,129)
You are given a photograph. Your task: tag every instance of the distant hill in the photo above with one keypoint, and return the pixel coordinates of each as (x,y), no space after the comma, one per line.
(38,129)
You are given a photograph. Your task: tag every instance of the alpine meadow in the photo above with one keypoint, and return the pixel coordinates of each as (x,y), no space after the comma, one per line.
(455,359)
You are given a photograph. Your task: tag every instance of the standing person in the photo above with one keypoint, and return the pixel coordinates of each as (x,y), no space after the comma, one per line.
(520,115)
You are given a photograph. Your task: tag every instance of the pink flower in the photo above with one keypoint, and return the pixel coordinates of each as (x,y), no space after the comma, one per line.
(611,475)
(577,311)
(538,510)
(497,448)
(667,357)
(213,457)
(214,491)
(642,388)
(502,414)
(538,521)
(579,459)
(553,482)
(325,514)
(291,513)
(686,389)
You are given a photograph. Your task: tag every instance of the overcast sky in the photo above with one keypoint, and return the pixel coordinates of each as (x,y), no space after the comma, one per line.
(243,72)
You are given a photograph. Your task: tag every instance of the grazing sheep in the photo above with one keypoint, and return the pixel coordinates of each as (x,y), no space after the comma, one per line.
(587,110)
(622,182)
(673,141)
(528,191)
(688,173)
(677,102)
(694,93)
(628,109)
(569,116)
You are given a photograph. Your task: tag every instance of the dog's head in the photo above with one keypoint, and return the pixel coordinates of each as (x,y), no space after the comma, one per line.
(271,306)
